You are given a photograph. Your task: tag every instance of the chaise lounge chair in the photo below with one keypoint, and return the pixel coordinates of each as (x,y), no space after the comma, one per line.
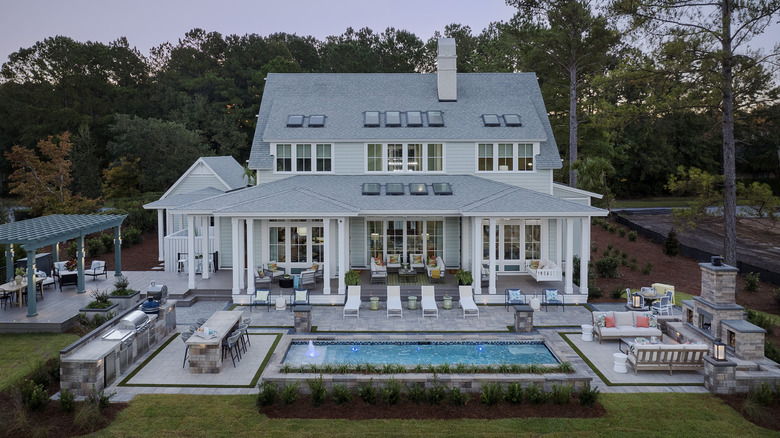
(394,307)
(352,306)
(429,302)
(467,302)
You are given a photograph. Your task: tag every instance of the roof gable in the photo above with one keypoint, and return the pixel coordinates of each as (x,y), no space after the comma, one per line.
(226,170)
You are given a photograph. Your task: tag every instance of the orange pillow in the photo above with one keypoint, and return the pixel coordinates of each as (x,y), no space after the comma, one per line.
(643,321)
(609,321)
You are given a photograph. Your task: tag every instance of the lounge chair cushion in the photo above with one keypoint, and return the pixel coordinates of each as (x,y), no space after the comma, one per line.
(436,273)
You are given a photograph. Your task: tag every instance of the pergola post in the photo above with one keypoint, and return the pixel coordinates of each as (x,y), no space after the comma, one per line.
(9,262)
(117,252)
(80,260)
(55,252)
(32,308)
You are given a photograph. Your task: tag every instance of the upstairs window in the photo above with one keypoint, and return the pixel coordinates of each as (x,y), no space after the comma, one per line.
(374,157)
(485,157)
(323,158)
(435,154)
(284,158)
(303,158)
(505,156)
(525,157)
(404,157)
(508,157)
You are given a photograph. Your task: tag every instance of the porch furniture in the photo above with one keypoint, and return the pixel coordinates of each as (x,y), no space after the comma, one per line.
(373,303)
(200,321)
(394,307)
(262,281)
(408,274)
(20,289)
(435,270)
(412,302)
(68,278)
(262,298)
(206,346)
(299,297)
(232,347)
(467,302)
(663,306)
(619,365)
(378,271)
(394,261)
(416,261)
(670,357)
(181,262)
(5,297)
(286,283)
(429,302)
(308,278)
(352,306)
(587,332)
(318,271)
(543,270)
(98,268)
(272,269)
(513,297)
(45,279)
(661,288)
(484,276)
(624,324)
(552,297)
(59,266)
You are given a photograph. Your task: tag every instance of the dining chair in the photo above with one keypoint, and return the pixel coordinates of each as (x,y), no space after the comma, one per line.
(184,337)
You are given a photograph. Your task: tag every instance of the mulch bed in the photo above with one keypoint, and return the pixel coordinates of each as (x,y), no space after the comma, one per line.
(357,409)
(771,419)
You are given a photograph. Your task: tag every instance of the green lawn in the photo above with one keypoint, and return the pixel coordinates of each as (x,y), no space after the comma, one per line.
(688,415)
(21,353)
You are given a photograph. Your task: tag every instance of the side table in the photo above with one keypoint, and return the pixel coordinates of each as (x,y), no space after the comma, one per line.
(412,303)
(447,302)
(374,305)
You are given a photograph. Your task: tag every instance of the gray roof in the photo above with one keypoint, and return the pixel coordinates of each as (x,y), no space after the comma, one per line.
(344,97)
(228,169)
(341,195)
(183,198)
(46,230)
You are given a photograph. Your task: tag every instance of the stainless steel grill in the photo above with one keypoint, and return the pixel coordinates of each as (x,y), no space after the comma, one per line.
(157,291)
(135,320)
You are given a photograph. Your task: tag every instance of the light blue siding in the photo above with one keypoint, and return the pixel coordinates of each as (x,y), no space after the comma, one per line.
(452,242)
(357,241)
(192,183)
(349,158)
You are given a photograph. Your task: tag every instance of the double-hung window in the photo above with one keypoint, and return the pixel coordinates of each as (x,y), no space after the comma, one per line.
(284,158)
(323,158)
(505,157)
(304,158)
(405,157)
(486,157)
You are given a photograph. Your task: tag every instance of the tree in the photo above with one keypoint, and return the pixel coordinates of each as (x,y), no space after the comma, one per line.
(713,31)
(43,181)
(122,179)
(705,188)
(574,42)
(593,173)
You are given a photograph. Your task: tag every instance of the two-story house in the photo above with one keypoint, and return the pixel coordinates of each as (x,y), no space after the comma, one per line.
(355,166)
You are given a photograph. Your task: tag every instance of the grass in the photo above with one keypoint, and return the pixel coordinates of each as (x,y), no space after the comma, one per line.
(627,415)
(20,352)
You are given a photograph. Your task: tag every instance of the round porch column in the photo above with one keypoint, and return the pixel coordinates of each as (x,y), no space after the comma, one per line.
(343,264)
(326,256)
(476,254)
(160,235)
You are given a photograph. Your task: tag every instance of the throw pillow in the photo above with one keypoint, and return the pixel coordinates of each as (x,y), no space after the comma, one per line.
(378,261)
(394,259)
(261,295)
(432,262)
(514,295)
(609,321)
(601,320)
(300,295)
(535,264)
(552,295)
(417,259)
(272,267)
(652,319)
(314,267)
(260,273)
(436,274)
(643,321)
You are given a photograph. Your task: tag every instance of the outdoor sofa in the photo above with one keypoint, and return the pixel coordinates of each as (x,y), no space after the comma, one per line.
(625,325)
(666,356)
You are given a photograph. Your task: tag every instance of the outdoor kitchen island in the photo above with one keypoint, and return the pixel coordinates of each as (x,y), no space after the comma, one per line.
(206,350)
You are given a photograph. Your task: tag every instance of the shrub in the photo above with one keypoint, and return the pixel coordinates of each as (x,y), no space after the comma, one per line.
(594,292)
(100,300)
(491,394)
(367,392)
(108,242)
(607,267)
(752,281)
(72,249)
(266,395)
(771,351)
(514,393)
(611,228)
(617,293)
(341,394)
(647,268)
(761,394)
(289,393)
(762,320)
(458,398)
(88,418)
(416,393)
(536,395)
(318,392)
(95,247)
(391,393)
(776,296)
(66,400)
(576,270)
(632,236)
(131,236)
(566,367)
(604,225)
(436,393)
(561,394)
(622,232)
(594,248)
(609,248)
(671,244)
(633,267)
(34,396)
(588,396)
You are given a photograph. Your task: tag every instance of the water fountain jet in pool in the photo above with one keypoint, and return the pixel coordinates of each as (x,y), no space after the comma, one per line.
(312,352)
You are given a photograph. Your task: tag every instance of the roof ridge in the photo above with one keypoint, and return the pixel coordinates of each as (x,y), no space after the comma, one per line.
(490,198)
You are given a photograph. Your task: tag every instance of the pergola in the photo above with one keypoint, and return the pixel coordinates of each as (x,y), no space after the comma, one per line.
(43,231)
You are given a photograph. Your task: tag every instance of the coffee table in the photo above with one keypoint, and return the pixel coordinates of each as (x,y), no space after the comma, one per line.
(407,273)
(629,340)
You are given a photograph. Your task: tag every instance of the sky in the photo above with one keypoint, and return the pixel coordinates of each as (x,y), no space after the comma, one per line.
(148,23)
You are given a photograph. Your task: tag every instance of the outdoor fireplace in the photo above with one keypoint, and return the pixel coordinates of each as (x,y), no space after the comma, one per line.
(705,320)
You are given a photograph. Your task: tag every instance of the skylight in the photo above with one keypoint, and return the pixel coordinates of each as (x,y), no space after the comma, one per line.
(435,118)
(294,121)
(393,118)
(394,189)
(317,121)
(371,119)
(512,120)
(413,118)
(418,189)
(442,189)
(490,120)
(371,189)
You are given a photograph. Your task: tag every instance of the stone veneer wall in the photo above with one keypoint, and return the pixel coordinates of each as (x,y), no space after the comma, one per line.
(524,319)
(718,283)
(719,313)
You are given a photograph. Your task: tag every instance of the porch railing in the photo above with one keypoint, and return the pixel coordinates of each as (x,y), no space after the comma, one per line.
(178,242)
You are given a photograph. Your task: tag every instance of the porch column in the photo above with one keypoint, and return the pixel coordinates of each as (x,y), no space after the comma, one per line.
(32,305)
(191,251)
(117,251)
(241,252)
(464,242)
(169,224)
(492,252)
(326,256)
(234,246)
(217,242)
(569,255)
(476,254)
(343,264)
(559,243)
(250,256)
(160,235)
(9,262)
(204,222)
(80,262)
(584,254)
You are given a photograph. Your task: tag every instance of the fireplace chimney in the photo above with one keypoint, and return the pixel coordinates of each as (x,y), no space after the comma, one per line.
(446,70)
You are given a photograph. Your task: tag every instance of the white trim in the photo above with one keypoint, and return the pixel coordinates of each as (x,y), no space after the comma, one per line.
(533,214)
(585,193)
(186,174)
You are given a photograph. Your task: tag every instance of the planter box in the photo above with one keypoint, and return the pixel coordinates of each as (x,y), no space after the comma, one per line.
(92,312)
(126,301)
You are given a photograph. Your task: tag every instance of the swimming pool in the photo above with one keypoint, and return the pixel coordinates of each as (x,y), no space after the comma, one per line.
(419,352)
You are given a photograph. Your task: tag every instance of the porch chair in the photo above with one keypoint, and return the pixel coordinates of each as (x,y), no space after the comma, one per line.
(46,280)
(273,270)
(513,297)
(299,297)
(628,297)
(429,306)
(318,271)
(181,262)
(435,268)
(394,306)
(467,302)
(352,306)
(662,306)
(394,261)
(416,261)
(484,276)
(552,297)
(262,281)
(98,268)
(59,266)
(5,297)
(308,277)
(378,271)
(262,298)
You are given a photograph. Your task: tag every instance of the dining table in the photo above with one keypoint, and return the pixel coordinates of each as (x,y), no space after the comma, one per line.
(18,287)
(205,345)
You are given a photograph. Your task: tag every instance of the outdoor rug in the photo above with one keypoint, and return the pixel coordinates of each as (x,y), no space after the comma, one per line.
(417,280)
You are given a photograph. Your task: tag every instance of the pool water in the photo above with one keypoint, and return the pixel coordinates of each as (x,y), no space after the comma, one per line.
(419,352)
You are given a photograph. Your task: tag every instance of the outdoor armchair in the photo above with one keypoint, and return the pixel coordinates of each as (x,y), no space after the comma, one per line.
(98,268)
(299,297)
(262,298)
(513,297)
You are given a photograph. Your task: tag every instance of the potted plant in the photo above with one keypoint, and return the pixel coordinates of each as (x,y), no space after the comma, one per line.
(71,265)
(20,274)
(464,277)
(352,278)
(123,295)
(100,305)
